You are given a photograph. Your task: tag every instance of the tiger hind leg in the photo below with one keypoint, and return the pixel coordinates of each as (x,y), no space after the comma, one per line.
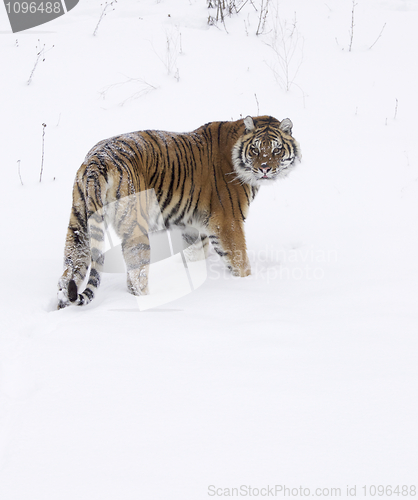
(136,253)
(76,260)
(131,222)
(85,242)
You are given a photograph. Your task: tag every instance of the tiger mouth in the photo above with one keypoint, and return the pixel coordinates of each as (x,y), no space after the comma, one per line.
(267,175)
(271,176)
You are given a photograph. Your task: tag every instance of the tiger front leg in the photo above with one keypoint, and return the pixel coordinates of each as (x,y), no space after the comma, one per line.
(228,240)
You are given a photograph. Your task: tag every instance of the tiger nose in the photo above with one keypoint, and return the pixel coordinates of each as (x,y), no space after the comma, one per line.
(265,169)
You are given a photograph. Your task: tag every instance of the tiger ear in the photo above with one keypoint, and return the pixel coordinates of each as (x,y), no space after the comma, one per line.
(249,124)
(286,126)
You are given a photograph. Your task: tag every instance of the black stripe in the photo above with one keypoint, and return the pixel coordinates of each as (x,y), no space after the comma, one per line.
(186,207)
(88,293)
(245,189)
(160,185)
(96,217)
(78,236)
(181,154)
(97,256)
(81,192)
(170,190)
(175,209)
(93,281)
(80,274)
(139,247)
(240,210)
(95,273)
(138,265)
(216,185)
(96,233)
(229,194)
(80,219)
(220,252)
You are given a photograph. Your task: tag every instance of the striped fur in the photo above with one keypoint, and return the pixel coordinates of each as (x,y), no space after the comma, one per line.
(204,179)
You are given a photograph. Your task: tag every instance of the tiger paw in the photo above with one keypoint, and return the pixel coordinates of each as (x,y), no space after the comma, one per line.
(240,273)
(138,290)
(62,295)
(138,293)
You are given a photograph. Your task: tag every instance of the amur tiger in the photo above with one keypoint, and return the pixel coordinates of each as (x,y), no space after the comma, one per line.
(205,179)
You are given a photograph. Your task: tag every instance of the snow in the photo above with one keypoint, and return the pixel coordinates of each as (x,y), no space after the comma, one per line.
(303,374)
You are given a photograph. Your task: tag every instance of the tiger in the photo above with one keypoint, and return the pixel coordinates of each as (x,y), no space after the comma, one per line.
(204,180)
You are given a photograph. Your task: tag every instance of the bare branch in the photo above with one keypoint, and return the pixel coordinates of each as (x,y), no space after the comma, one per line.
(107,5)
(40,55)
(263,16)
(352,26)
(258,106)
(18,170)
(380,34)
(43,150)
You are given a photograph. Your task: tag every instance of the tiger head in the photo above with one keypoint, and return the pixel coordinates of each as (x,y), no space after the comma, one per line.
(266,151)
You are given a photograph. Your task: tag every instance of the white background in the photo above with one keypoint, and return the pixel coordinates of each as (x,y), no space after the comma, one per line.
(304,374)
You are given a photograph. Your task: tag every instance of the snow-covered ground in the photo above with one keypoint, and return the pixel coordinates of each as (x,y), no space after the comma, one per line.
(304,374)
